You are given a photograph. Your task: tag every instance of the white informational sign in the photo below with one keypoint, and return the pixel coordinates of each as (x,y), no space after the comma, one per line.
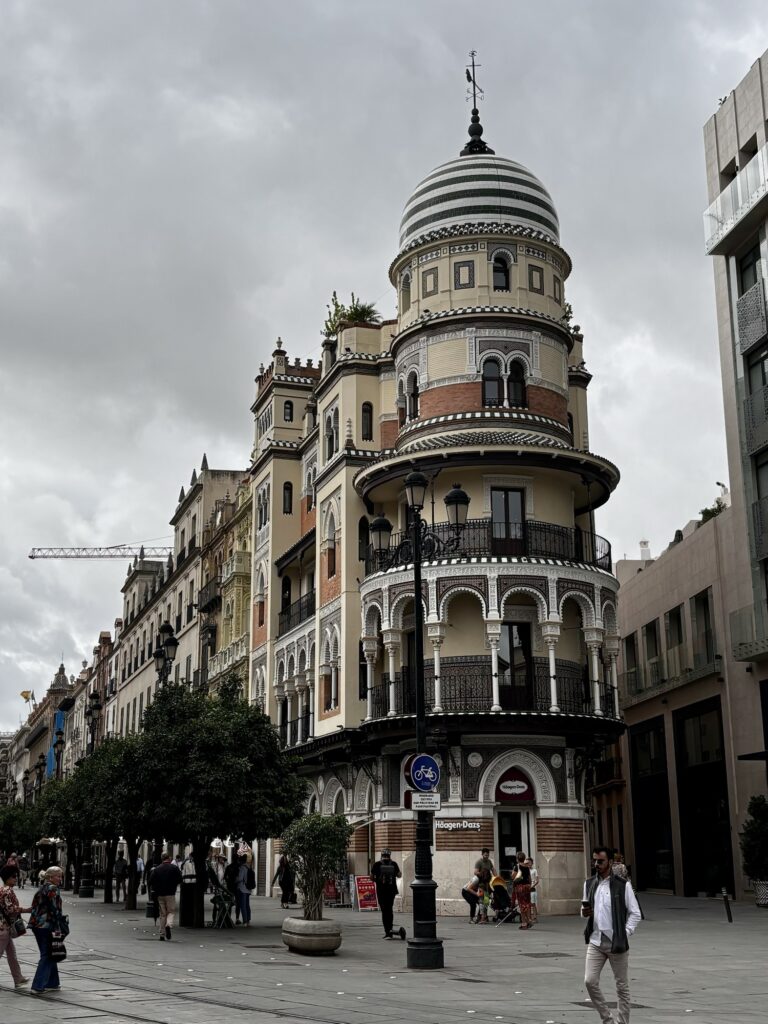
(425,802)
(510,851)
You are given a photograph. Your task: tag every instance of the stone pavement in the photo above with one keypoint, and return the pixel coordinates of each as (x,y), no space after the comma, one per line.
(687,964)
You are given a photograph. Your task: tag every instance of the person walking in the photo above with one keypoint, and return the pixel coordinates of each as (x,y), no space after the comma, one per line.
(284,875)
(618,867)
(385,873)
(521,886)
(120,872)
(165,881)
(246,883)
(484,864)
(231,872)
(534,890)
(613,915)
(46,918)
(10,913)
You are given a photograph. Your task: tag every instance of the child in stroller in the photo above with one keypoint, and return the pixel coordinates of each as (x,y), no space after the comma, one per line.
(501,902)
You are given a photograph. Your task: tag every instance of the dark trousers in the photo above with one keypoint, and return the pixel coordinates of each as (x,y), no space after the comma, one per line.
(47,973)
(387,902)
(244,905)
(472,899)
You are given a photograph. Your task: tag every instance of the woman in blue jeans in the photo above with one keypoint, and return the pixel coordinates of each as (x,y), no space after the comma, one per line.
(46,917)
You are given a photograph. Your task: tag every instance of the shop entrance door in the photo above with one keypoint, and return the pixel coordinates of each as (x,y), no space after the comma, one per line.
(510,840)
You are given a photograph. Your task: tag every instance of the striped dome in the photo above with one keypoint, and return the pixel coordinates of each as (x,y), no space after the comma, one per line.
(478,188)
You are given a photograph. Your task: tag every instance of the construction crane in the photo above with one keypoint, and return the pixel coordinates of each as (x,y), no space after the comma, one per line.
(129,551)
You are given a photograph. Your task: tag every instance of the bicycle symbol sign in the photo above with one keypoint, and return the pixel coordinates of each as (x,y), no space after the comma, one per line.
(423,772)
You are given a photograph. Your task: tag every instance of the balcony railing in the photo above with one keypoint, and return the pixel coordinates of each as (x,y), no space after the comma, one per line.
(296,613)
(756,421)
(228,656)
(760,524)
(289,731)
(749,636)
(466,685)
(671,668)
(737,199)
(483,537)
(209,594)
(239,562)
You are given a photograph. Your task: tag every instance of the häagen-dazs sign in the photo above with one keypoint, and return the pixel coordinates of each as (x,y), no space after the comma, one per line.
(514,787)
(458,826)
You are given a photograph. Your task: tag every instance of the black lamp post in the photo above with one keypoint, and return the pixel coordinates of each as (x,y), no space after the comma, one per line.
(58,750)
(39,774)
(165,652)
(25,786)
(425,950)
(92,714)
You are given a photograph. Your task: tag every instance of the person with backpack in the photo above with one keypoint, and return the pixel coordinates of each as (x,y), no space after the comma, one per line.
(385,873)
(246,883)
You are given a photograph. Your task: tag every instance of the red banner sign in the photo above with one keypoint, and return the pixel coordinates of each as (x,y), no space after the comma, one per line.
(365,887)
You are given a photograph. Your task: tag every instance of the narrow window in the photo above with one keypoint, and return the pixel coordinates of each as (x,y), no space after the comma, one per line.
(329,438)
(557,289)
(500,274)
(285,594)
(535,279)
(363,538)
(367,416)
(288,412)
(413,397)
(287,499)
(491,383)
(516,386)
(331,558)
(749,269)
(405,294)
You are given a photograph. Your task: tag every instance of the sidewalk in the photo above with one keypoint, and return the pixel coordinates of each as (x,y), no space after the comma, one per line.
(687,963)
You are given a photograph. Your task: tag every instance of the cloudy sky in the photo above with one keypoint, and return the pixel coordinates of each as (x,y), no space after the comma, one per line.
(182,181)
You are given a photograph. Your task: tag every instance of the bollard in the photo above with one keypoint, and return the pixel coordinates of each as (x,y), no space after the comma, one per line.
(727,905)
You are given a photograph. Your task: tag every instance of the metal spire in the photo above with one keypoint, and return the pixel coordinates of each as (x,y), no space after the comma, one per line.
(476,143)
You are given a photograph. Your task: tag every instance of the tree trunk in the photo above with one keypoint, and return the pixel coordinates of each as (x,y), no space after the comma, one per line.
(200,847)
(109,867)
(78,866)
(132,843)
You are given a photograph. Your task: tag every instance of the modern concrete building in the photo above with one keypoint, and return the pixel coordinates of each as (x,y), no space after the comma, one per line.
(480,380)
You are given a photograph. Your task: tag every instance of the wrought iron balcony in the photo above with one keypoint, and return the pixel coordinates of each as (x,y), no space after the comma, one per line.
(466,685)
(228,656)
(288,732)
(483,537)
(296,613)
(209,595)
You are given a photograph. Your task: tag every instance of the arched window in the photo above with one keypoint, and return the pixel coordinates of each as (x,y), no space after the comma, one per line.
(331,548)
(492,393)
(405,294)
(335,430)
(401,405)
(260,601)
(367,417)
(287,499)
(329,449)
(288,412)
(285,594)
(413,397)
(363,538)
(500,274)
(516,386)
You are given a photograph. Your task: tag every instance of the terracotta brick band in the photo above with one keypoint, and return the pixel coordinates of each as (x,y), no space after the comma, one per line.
(559,835)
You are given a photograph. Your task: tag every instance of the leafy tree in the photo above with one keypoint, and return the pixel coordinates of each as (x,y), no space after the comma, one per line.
(20,827)
(712,511)
(212,767)
(754,840)
(356,312)
(314,846)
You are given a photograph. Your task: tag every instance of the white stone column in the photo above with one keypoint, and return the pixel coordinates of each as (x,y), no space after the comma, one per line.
(311,694)
(550,631)
(334,683)
(289,691)
(301,690)
(370,650)
(593,639)
(279,692)
(493,638)
(436,633)
(392,644)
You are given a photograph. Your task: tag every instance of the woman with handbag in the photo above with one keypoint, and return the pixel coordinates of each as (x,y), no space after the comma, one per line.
(11,924)
(50,927)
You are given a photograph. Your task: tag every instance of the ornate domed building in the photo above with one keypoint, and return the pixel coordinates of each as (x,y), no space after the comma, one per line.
(480,385)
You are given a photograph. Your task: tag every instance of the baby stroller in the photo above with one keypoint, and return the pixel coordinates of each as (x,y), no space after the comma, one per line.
(501,902)
(223,901)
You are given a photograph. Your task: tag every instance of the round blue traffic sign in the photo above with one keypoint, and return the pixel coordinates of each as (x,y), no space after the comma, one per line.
(423,772)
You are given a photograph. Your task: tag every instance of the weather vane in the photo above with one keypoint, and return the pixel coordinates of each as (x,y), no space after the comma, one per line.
(472,79)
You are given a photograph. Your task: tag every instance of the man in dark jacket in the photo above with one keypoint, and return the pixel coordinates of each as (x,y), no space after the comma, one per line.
(165,881)
(613,912)
(385,873)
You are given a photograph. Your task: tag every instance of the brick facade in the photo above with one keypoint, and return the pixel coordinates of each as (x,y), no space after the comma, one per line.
(258,633)
(389,430)
(559,835)
(307,516)
(451,398)
(330,588)
(548,403)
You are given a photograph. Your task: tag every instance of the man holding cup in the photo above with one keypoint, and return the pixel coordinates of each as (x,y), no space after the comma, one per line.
(613,914)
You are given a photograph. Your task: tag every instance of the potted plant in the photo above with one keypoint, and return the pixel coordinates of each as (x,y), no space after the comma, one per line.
(754,848)
(314,845)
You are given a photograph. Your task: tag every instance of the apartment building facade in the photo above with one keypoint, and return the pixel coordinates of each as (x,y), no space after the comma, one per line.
(479,381)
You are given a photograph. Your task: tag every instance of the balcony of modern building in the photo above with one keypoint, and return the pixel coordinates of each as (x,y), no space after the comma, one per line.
(749,633)
(760,527)
(607,772)
(674,667)
(210,595)
(229,657)
(743,202)
(497,538)
(296,613)
(752,318)
(755,407)
(238,563)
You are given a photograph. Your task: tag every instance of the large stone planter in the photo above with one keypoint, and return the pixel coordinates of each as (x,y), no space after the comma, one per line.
(319,938)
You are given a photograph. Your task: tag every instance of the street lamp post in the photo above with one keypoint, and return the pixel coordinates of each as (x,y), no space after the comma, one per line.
(58,750)
(425,949)
(92,714)
(165,652)
(25,786)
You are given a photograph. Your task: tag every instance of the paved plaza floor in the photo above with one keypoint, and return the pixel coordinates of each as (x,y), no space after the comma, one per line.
(687,964)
